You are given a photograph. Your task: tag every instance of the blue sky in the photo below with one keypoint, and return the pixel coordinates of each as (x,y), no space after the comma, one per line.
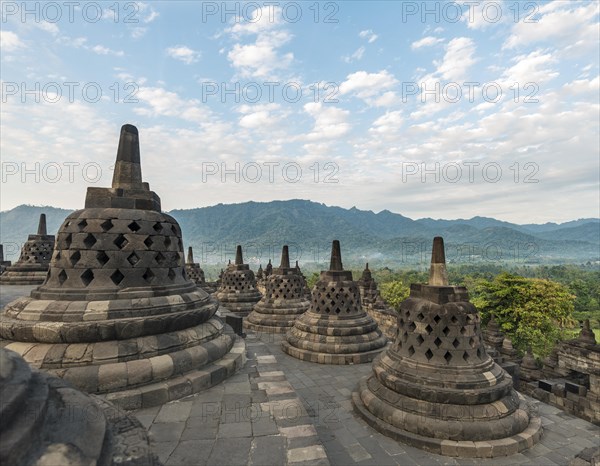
(187,74)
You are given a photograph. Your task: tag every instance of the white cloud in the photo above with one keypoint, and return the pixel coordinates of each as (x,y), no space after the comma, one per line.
(369,35)
(357,55)
(52,28)
(366,85)
(150,14)
(9,41)
(534,67)
(184,54)
(262,58)
(388,124)
(426,42)
(457,60)
(330,122)
(101,50)
(573,27)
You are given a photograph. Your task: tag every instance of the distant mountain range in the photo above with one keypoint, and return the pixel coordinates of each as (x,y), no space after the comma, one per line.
(384,238)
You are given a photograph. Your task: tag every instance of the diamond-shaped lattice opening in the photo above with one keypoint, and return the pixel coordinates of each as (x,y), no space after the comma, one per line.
(68,240)
(428,329)
(437,342)
(167,241)
(117,277)
(106,225)
(472,342)
(437,318)
(428,354)
(420,339)
(148,242)
(134,226)
(174,229)
(466,357)
(448,357)
(411,350)
(62,277)
(401,321)
(157,227)
(479,353)
(90,240)
(103,258)
(453,319)
(463,330)
(412,327)
(81,225)
(120,241)
(456,343)
(148,275)
(133,258)
(446,331)
(75,257)
(420,316)
(160,259)
(171,274)
(87,277)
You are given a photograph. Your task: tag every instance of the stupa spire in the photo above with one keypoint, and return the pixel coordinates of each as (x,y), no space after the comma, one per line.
(336,257)
(285,258)
(438,276)
(190,256)
(42,226)
(128,170)
(239,259)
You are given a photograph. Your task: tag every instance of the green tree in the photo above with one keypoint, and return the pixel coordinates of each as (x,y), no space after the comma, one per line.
(531,311)
(310,281)
(394,293)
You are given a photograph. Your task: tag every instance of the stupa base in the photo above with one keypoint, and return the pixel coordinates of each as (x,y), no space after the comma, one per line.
(22,278)
(330,358)
(466,449)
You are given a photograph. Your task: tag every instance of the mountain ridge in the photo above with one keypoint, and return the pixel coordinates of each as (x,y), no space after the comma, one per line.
(384,236)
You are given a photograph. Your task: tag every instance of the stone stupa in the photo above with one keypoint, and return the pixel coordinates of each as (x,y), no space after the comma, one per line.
(284,300)
(46,422)
(335,329)
(117,315)
(193,269)
(3,264)
(33,263)
(436,388)
(237,291)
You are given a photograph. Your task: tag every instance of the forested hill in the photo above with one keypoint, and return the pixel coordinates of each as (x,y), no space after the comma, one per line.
(385,238)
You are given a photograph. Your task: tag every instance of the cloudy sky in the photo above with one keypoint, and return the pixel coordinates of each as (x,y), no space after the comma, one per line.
(446,110)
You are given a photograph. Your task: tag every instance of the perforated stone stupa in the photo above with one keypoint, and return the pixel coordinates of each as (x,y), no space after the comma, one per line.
(436,388)
(284,300)
(117,314)
(237,291)
(46,422)
(3,264)
(193,269)
(33,263)
(335,329)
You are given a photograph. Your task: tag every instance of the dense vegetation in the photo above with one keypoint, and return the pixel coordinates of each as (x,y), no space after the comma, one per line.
(535,306)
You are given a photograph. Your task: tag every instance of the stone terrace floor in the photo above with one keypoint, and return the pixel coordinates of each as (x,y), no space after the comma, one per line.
(278,410)
(282,411)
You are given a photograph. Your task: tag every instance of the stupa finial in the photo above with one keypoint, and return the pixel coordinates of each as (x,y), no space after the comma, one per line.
(438,276)
(239,259)
(128,170)
(42,225)
(190,256)
(336,256)
(285,258)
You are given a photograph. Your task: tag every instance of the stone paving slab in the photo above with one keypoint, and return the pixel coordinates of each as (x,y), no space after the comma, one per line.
(284,411)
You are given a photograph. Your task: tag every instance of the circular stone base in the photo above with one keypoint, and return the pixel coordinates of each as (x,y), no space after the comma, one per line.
(266,328)
(467,449)
(329,358)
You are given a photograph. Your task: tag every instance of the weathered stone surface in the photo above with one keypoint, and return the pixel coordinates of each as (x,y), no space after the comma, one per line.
(47,422)
(335,329)
(118,296)
(436,387)
(32,266)
(283,301)
(371,300)
(237,291)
